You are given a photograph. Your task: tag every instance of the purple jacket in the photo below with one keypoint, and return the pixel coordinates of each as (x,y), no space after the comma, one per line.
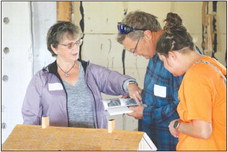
(46,95)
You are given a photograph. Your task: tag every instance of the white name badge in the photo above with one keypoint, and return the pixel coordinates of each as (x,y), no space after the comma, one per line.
(159,91)
(55,86)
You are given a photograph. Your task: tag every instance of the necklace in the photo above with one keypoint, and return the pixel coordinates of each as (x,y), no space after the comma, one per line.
(66,73)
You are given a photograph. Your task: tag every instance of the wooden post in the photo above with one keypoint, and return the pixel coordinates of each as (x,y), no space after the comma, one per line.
(76,13)
(209,45)
(64,11)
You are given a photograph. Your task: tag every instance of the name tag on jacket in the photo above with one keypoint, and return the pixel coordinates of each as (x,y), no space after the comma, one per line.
(159,91)
(55,86)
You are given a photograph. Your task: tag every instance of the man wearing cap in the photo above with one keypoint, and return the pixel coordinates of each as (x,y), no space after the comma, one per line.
(139,32)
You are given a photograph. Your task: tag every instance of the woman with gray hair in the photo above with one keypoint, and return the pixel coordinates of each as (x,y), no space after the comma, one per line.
(68,91)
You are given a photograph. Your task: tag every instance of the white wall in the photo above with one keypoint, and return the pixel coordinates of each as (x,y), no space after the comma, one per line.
(43,17)
(29,22)
(16,64)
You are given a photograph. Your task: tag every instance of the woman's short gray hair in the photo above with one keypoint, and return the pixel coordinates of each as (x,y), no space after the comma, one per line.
(58,30)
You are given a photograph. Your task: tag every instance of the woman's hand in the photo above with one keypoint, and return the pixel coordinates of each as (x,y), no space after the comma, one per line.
(135,92)
(195,128)
(173,130)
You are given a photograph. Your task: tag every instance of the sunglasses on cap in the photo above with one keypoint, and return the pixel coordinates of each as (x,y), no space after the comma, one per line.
(124,29)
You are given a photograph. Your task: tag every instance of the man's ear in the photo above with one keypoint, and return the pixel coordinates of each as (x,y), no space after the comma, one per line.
(54,49)
(148,34)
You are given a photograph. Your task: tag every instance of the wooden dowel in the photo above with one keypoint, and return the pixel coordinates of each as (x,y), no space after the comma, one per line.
(111,125)
(45,122)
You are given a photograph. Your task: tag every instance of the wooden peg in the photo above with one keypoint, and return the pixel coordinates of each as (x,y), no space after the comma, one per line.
(111,125)
(45,122)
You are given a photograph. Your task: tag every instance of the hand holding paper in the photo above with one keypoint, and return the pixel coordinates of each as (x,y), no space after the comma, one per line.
(137,111)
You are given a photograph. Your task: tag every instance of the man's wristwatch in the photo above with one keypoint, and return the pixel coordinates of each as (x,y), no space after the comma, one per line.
(176,124)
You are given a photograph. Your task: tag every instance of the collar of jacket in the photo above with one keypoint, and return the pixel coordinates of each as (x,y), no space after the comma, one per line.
(52,68)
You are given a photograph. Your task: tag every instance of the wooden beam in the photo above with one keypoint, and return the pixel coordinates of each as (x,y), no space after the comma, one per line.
(209,41)
(64,11)
(76,12)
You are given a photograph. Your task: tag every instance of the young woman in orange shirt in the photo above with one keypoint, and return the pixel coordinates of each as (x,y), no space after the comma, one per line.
(202,94)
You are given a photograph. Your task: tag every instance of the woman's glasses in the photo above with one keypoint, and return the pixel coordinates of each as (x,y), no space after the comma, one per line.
(71,45)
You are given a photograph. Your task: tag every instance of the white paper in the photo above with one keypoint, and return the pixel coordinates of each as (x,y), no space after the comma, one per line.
(55,86)
(119,105)
(159,91)
(118,110)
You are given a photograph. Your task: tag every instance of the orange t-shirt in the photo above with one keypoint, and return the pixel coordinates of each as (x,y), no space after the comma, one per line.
(202,96)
